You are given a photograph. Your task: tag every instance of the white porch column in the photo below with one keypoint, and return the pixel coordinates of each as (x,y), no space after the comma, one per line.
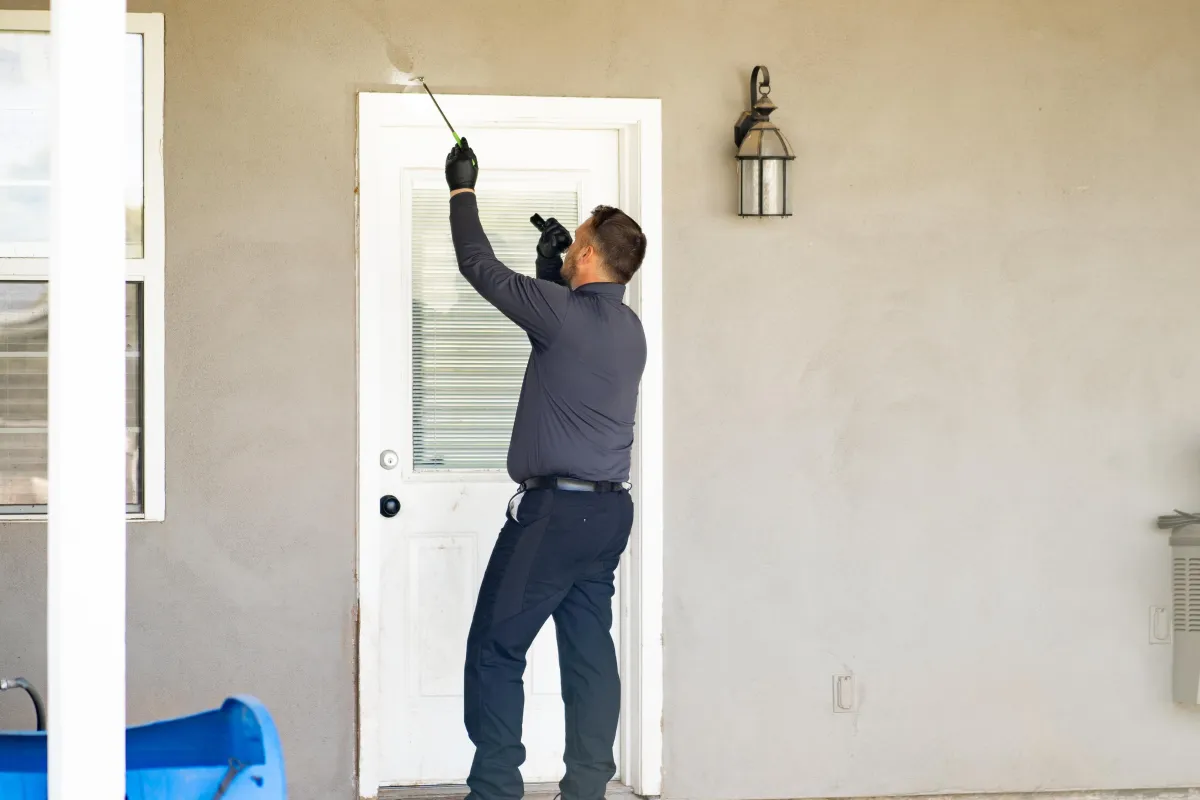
(86,602)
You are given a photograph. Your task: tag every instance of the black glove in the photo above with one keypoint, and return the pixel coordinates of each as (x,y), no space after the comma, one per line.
(462,170)
(555,239)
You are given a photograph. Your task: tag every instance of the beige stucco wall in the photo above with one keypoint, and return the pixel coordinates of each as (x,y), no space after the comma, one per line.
(917,431)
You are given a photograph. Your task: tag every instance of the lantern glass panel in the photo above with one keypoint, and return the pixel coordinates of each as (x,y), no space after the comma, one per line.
(773,144)
(748,171)
(774,201)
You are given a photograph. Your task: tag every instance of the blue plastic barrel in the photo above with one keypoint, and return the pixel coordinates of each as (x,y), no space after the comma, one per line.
(229,753)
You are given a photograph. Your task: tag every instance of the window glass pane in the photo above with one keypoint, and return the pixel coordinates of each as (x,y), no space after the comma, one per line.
(25,214)
(24,139)
(468,359)
(133,396)
(25,89)
(24,332)
(134,162)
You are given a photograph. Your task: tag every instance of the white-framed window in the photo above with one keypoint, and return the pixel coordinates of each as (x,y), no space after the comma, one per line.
(25,104)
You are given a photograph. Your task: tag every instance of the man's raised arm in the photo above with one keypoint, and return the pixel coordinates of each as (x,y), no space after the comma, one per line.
(538,306)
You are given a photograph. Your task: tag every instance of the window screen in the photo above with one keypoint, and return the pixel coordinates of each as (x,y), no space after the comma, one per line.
(24,339)
(468,358)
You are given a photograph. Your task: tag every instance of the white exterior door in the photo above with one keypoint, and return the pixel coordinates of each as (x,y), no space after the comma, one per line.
(450,369)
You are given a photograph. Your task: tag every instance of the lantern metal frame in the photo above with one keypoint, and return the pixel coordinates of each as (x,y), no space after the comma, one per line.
(758,119)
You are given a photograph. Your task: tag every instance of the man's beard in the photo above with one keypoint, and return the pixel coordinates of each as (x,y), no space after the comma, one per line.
(569,268)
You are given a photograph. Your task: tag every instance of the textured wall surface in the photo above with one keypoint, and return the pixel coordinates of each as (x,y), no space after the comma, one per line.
(917,432)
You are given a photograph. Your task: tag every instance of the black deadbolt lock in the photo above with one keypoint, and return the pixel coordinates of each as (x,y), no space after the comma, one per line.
(389,506)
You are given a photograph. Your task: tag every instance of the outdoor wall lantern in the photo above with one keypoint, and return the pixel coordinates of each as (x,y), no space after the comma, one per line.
(763,157)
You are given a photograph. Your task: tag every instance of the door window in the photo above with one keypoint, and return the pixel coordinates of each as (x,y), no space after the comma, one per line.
(468,360)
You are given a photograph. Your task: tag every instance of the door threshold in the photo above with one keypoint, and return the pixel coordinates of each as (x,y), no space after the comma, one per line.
(458,791)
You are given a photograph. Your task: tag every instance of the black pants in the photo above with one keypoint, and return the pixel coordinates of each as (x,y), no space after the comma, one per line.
(558,558)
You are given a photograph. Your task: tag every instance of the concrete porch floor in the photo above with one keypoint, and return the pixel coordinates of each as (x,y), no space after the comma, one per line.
(533,791)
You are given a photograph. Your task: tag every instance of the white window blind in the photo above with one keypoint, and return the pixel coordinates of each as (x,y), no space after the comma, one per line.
(469,359)
(24,340)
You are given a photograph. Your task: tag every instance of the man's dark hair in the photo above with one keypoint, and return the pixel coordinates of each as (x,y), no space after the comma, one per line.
(619,241)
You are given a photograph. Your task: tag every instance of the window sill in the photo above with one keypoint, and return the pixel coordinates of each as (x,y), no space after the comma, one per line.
(42,518)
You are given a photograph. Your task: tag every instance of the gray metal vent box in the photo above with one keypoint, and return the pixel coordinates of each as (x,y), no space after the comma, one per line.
(1185,584)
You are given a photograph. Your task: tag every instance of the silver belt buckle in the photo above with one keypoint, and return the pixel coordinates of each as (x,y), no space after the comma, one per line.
(572,485)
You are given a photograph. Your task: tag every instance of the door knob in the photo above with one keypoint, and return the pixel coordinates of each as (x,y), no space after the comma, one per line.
(389,506)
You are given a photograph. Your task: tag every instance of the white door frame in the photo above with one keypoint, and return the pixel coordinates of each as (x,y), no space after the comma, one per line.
(639,126)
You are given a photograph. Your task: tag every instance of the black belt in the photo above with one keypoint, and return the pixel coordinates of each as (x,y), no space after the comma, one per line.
(572,485)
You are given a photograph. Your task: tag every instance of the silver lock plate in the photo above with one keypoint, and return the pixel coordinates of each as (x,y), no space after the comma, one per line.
(388,459)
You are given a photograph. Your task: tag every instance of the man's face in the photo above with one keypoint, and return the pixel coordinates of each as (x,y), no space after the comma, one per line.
(571,258)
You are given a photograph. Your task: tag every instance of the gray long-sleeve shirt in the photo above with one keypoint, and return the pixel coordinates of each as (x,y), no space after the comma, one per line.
(576,411)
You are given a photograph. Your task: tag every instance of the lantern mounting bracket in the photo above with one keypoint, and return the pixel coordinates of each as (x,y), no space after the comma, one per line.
(760,110)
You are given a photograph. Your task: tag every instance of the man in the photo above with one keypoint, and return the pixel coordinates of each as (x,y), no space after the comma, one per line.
(566,528)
